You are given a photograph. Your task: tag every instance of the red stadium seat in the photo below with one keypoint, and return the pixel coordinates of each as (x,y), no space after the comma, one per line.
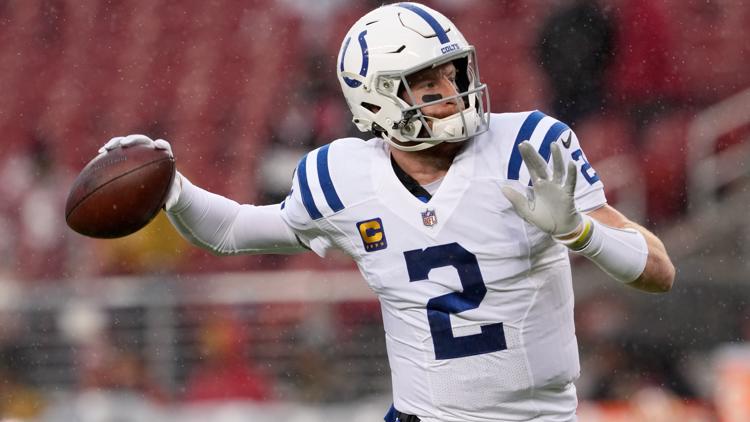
(664,159)
(710,46)
(605,136)
(505,43)
(608,141)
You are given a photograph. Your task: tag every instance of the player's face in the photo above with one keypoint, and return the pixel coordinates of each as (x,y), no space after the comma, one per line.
(431,85)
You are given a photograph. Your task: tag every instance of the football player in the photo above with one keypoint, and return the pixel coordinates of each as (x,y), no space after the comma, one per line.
(460,221)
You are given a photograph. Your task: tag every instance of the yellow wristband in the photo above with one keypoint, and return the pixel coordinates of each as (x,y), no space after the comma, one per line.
(580,241)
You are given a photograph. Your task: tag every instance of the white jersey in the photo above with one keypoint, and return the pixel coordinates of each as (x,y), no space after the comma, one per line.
(477,304)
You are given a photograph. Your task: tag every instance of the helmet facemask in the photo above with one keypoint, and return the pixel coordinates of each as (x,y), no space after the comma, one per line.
(415,130)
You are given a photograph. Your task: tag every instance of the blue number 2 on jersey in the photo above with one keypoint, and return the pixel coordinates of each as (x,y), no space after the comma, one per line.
(586,170)
(419,263)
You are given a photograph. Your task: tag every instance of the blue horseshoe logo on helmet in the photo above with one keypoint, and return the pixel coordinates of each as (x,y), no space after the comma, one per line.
(365,59)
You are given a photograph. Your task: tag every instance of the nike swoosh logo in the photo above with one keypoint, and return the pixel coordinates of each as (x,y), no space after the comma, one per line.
(566,143)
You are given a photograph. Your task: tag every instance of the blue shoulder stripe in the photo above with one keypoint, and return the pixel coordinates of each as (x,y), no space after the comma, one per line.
(553,133)
(325,181)
(304,188)
(524,134)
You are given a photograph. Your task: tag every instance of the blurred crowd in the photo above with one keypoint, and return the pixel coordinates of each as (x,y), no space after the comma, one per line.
(243,89)
(205,354)
(69,358)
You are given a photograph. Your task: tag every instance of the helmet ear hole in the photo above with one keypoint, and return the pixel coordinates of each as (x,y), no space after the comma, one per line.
(372,108)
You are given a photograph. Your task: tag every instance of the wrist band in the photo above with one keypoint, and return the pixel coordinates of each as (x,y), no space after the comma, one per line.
(579,242)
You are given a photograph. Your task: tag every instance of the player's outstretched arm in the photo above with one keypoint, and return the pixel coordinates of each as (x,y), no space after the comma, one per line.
(214,222)
(626,251)
(659,272)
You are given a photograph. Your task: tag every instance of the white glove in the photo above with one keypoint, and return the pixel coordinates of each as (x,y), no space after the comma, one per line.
(551,207)
(130,140)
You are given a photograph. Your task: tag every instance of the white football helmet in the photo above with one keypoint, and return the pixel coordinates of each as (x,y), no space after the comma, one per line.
(392,42)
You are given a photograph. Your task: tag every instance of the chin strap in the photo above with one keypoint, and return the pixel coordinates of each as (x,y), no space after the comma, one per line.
(457,127)
(462,124)
(407,117)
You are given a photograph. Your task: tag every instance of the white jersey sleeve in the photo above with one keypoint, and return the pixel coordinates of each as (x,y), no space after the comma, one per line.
(589,193)
(542,130)
(314,198)
(226,227)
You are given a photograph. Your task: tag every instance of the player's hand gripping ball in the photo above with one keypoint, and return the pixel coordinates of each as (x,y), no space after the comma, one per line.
(121,189)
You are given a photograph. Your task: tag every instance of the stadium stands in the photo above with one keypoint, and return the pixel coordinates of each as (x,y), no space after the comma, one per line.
(216,78)
(212,79)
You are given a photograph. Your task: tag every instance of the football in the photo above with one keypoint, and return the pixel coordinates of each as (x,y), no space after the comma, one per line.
(119,192)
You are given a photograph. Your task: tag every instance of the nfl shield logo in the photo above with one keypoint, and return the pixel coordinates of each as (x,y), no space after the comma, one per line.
(429,218)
